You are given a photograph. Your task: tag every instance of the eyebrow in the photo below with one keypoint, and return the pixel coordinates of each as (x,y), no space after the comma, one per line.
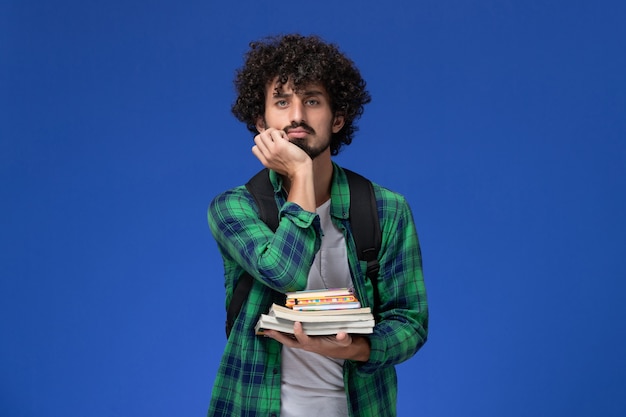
(281,95)
(306,93)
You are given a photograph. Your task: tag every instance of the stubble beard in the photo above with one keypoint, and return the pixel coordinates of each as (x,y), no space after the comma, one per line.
(303,144)
(313,152)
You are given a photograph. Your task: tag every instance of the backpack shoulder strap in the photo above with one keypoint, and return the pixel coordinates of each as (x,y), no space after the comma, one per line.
(365,224)
(261,189)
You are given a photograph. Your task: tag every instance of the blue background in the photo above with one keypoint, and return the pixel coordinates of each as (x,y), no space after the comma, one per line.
(503,123)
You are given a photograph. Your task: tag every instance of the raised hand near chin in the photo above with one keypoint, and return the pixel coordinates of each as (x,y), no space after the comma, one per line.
(275,151)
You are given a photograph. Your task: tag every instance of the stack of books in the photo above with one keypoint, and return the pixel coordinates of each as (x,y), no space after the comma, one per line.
(324,312)
(324,299)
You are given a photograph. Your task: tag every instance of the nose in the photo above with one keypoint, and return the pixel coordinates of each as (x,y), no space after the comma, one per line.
(297,111)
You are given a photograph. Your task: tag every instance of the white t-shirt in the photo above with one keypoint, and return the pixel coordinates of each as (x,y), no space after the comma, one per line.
(312,384)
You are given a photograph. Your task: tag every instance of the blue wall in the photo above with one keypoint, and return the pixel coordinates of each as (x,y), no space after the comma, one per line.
(503,123)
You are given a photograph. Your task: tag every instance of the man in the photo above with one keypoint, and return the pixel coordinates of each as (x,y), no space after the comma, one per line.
(300,97)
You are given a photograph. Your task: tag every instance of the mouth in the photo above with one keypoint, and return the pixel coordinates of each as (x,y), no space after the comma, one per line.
(300,131)
(297,133)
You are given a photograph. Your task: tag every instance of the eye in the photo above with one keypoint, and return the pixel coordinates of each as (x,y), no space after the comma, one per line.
(312,102)
(281,103)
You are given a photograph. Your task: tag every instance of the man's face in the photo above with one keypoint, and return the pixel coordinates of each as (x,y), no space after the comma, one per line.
(304,114)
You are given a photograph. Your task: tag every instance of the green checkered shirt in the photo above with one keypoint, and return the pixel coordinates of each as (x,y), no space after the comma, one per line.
(248,380)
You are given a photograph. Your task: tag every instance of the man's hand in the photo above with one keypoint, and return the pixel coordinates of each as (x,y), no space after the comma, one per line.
(341,346)
(275,151)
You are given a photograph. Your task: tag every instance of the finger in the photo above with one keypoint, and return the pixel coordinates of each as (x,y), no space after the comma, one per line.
(343,338)
(263,141)
(298,332)
(276,134)
(257,152)
(268,135)
(265,146)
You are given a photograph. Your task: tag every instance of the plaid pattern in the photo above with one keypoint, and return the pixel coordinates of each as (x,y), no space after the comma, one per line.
(248,380)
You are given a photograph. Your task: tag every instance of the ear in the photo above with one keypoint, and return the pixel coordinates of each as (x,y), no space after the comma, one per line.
(338,122)
(260,124)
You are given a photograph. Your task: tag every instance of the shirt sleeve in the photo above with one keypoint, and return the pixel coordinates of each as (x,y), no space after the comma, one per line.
(402,325)
(281,259)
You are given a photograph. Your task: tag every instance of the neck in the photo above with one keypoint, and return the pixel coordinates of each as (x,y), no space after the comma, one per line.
(323,174)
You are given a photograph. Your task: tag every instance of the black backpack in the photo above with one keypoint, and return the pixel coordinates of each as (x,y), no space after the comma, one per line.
(363,218)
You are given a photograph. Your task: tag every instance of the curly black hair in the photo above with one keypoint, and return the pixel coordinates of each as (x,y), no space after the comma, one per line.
(300,60)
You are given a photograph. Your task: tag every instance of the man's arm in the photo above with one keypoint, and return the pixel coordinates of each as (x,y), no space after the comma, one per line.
(402,312)
(246,242)
(271,256)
